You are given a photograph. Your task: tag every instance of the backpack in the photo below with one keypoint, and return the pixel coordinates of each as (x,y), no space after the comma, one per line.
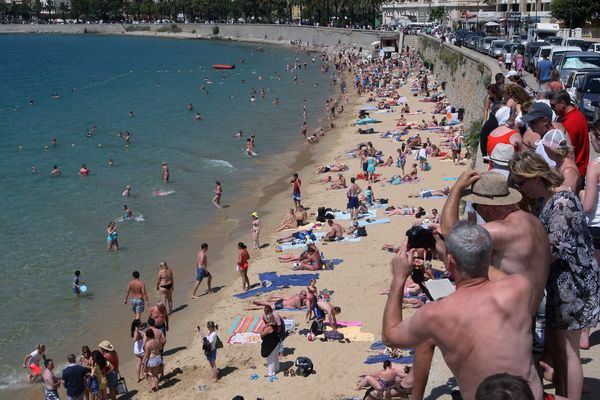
(361,231)
(322,214)
(304,366)
(317,327)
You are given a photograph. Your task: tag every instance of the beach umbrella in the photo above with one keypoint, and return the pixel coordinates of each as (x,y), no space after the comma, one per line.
(367,120)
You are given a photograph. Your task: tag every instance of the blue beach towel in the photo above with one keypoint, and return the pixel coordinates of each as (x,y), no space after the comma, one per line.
(379,358)
(277,282)
(450,178)
(374,222)
(290,246)
(346,215)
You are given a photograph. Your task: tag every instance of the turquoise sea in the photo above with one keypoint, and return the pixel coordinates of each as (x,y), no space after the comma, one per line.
(50,227)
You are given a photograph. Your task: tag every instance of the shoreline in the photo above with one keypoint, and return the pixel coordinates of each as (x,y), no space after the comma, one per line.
(222,232)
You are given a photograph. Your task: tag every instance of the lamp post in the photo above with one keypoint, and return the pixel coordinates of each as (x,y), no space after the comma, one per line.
(477,22)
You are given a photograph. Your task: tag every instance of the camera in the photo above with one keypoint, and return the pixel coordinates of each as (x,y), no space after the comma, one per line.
(420,238)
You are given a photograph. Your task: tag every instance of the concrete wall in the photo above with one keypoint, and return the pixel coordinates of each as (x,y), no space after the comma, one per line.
(466,72)
(315,36)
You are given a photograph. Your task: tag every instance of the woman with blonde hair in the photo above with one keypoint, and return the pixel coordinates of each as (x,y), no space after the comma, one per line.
(269,348)
(558,149)
(573,287)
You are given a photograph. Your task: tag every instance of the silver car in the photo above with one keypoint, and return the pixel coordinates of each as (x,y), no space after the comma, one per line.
(496,48)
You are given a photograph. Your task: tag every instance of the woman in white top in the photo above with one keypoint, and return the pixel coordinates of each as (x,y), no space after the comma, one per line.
(590,199)
(137,333)
(211,351)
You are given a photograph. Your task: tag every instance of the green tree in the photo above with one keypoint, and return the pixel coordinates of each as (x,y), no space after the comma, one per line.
(437,14)
(575,13)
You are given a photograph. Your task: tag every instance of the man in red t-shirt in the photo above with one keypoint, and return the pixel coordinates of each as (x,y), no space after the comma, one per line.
(575,125)
(296,182)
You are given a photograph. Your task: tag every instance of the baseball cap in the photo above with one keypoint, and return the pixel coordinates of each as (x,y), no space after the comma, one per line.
(554,139)
(538,110)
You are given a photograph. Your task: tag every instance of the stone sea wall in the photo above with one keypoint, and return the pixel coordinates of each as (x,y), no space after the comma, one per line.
(466,73)
(315,36)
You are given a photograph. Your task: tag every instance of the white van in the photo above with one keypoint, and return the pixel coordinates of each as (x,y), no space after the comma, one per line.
(558,51)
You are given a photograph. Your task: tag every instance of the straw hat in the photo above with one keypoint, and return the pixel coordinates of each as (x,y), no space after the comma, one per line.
(492,189)
(106,345)
(254,214)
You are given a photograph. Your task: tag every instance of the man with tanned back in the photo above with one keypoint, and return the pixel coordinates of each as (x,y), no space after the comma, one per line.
(352,193)
(519,241)
(336,232)
(297,301)
(460,324)
(136,294)
(202,271)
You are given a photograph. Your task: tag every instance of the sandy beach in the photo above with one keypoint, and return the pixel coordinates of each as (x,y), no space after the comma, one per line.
(356,282)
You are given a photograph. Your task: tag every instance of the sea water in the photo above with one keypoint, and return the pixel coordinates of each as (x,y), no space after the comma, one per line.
(52,226)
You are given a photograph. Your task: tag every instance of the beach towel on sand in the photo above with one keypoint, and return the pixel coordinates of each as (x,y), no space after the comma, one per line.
(277,282)
(374,222)
(244,338)
(354,334)
(379,358)
(346,215)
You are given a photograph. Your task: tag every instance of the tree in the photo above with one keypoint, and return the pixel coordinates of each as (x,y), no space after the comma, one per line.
(575,13)
(437,14)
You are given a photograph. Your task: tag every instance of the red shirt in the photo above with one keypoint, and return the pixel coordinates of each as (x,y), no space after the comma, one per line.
(577,128)
(297,184)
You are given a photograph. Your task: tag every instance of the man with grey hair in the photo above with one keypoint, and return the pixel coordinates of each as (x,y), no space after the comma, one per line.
(461,324)
(73,378)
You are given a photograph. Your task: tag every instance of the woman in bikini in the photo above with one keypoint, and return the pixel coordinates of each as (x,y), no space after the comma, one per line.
(383,381)
(288,222)
(165,285)
(255,230)
(218,192)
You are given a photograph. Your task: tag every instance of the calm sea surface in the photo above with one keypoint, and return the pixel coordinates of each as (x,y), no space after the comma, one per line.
(50,227)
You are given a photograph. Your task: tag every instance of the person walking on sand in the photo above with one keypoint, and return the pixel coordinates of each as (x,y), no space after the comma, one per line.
(353,191)
(209,345)
(136,294)
(165,285)
(32,360)
(112,241)
(296,183)
(202,271)
(165,172)
(242,265)
(269,348)
(255,230)
(152,359)
(218,192)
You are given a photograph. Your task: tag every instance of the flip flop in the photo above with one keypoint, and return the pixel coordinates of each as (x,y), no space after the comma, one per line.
(253,377)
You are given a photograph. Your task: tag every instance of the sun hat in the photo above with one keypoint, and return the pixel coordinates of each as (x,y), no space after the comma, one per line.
(554,139)
(492,189)
(501,154)
(502,115)
(538,110)
(106,345)
(254,214)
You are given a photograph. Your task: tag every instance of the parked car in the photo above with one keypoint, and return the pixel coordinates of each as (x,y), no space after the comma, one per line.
(577,61)
(587,95)
(485,44)
(557,52)
(530,50)
(496,48)
(573,82)
(479,44)
(554,40)
(583,44)
(595,47)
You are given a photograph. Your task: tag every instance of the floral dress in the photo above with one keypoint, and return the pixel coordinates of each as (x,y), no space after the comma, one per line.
(573,286)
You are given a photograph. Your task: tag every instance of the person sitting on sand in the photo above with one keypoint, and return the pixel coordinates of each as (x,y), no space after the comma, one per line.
(412,175)
(385,381)
(289,222)
(402,121)
(297,301)
(311,261)
(423,194)
(406,109)
(336,232)
(301,216)
(389,162)
(340,183)
(414,141)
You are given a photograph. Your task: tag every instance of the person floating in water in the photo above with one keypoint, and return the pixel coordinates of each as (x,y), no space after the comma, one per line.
(55,171)
(84,171)
(239,134)
(131,113)
(54,142)
(110,162)
(77,282)
(197,117)
(128,213)
(165,172)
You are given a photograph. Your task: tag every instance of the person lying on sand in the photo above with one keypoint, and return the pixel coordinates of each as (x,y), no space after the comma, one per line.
(297,301)
(302,236)
(429,193)
(289,222)
(404,210)
(337,167)
(340,183)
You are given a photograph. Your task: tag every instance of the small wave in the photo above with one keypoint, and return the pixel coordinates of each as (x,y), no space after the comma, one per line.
(219,163)
(12,380)
(163,193)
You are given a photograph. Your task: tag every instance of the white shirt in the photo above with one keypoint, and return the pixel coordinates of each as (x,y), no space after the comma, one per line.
(422,153)
(36,357)
(212,339)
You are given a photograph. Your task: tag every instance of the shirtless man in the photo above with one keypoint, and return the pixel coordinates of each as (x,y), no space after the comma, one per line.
(353,191)
(165,172)
(297,301)
(520,246)
(136,294)
(301,216)
(340,183)
(202,271)
(128,212)
(336,232)
(445,322)
(323,308)
(51,384)
(165,284)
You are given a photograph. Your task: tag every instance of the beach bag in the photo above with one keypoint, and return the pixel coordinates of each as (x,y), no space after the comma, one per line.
(383,201)
(334,335)
(121,387)
(361,231)
(219,344)
(427,167)
(206,347)
(304,366)
(317,327)
(322,214)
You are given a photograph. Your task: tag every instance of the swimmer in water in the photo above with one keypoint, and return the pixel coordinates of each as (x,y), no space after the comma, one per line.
(197,117)
(84,171)
(249,148)
(127,191)
(239,134)
(276,101)
(127,138)
(55,171)
(190,107)
(252,99)
(120,134)
(128,212)
(218,192)
(110,162)
(131,113)
(34,169)
(165,172)
(54,142)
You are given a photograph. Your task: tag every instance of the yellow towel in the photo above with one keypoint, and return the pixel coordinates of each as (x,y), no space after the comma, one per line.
(354,334)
